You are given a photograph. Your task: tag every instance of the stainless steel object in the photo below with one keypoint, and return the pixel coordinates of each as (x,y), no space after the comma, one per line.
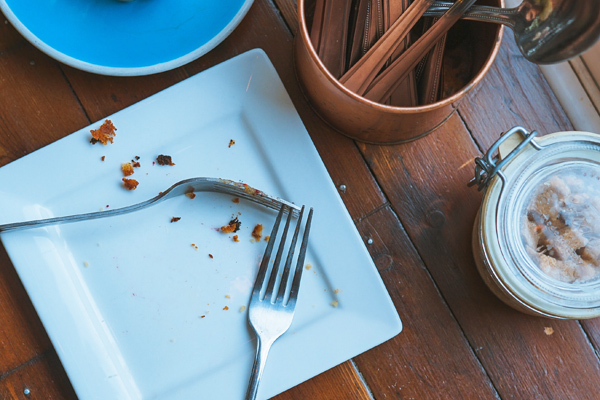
(546,31)
(273,300)
(182,187)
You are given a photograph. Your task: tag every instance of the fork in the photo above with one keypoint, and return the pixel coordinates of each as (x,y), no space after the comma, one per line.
(191,185)
(273,301)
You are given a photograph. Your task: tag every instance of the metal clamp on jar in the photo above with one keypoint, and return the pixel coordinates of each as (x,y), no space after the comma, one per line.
(536,239)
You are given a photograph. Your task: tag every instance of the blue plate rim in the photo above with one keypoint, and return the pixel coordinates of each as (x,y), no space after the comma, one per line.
(125,71)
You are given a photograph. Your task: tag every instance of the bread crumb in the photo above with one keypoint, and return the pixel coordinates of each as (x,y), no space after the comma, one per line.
(194,246)
(86,264)
(210,256)
(231,143)
(334,303)
(227,296)
(308,266)
(104,134)
(242,308)
(236,200)
(548,330)
(257,231)
(225,308)
(236,238)
(175,219)
(232,227)
(103,158)
(164,160)
(336,291)
(127,169)
(130,184)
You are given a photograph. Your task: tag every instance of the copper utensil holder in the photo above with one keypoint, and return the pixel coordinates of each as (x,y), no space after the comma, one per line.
(372,122)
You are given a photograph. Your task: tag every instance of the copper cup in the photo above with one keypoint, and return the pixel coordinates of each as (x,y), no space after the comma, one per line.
(372,122)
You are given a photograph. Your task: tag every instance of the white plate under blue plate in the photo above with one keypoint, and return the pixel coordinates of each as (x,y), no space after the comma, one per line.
(132,308)
(113,37)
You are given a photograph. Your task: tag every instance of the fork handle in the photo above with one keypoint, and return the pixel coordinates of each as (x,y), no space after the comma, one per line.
(262,350)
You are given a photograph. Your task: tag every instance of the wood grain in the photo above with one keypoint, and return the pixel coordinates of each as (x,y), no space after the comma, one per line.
(430,356)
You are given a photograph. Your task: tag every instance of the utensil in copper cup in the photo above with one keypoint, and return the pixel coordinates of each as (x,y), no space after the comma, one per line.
(372,122)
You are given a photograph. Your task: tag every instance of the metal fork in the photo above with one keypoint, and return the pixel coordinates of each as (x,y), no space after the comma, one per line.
(273,300)
(218,185)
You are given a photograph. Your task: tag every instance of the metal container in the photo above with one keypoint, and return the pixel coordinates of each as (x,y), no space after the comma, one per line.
(536,240)
(371,122)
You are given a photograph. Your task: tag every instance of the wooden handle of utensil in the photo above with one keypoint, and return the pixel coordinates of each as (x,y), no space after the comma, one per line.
(385,84)
(361,75)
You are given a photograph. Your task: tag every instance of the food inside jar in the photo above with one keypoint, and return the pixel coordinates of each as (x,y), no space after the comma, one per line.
(561,226)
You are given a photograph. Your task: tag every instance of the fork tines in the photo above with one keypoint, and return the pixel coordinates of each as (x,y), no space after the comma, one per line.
(278,282)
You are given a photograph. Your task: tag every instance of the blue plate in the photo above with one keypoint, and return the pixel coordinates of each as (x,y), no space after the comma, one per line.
(112,37)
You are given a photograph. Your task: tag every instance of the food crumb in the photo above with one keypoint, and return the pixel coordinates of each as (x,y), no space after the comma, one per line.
(190,192)
(194,246)
(210,256)
(127,169)
(130,184)
(227,296)
(267,238)
(103,158)
(231,143)
(164,160)
(175,219)
(242,308)
(202,316)
(232,227)
(548,330)
(308,266)
(257,231)
(225,308)
(334,303)
(336,291)
(236,238)
(86,264)
(236,200)
(104,134)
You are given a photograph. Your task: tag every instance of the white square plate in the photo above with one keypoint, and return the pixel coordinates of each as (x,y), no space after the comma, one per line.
(134,310)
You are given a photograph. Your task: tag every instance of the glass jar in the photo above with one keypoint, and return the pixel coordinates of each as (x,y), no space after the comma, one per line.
(536,239)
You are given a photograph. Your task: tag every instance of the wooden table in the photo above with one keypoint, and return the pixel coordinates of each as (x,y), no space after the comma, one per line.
(409,201)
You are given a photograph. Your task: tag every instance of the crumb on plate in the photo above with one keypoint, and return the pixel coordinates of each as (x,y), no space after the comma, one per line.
(130,184)
(104,134)
(257,231)
(232,227)
(127,169)
(164,160)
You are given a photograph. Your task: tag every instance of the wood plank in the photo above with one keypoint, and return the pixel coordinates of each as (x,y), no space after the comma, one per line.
(102,95)
(41,378)
(426,184)
(30,115)
(514,92)
(431,356)
(22,336)
(339,383)
(9,37)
